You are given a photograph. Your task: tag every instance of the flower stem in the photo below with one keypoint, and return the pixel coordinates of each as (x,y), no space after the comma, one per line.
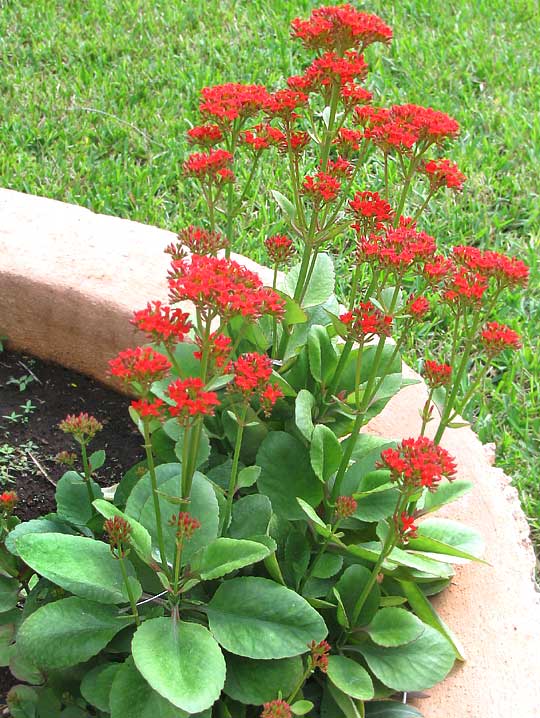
(155,495)
(131,597)
(87,475)
(234,469)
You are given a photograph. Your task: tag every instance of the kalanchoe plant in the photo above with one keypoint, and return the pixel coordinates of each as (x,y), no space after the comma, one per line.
(269,557)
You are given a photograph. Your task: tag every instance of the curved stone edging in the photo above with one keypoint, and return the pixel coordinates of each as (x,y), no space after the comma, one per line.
(70,280)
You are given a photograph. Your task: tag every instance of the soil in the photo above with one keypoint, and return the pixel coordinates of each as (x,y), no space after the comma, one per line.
(28,444)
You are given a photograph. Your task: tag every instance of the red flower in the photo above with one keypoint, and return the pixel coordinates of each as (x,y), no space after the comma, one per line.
(83,427)
(331,67)
(507,271)
(261,137)
(118,532)
(142,366)
(280,248)
(442,173)
(403,126)
(365,321)
(417,307)
(498,337)
(212,166)
(161,323)
(399,248)
(251,375)
(219,351)
(222,287)
(354,94)
(340,27)
(205,135)
(419,462)
(190,401)
(321,188)
(465,287)
(407,526)
(370,211)
(348,140)
(225,103)
(198,240)
(437,374)
(8,501)
(276,709)
(269,397)
(295,141)
(144,407)
(319,655)
(345,507)
(340,168)
(186,525)
(284,103)
(437,269)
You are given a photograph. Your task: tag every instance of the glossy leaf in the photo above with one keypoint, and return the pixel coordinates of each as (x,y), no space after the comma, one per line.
(448,537)
(139,538)
(325,452)
(250,516)
(350,677)
(132,696)
(321,354)
(225,555)
(303,406)
(394,627)
(256,682)
(72,498)
(97,683)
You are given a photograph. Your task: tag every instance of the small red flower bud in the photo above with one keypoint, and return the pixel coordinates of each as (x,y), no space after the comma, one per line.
(406,526)
(345,507)
(437,374)
(319,655)
(185,524)
(8,501)
(82,427)
(276,709)
(118,533)
(66,458)
(498,337)
(280,248)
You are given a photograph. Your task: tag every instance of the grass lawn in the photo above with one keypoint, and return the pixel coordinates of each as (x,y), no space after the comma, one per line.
(97,96)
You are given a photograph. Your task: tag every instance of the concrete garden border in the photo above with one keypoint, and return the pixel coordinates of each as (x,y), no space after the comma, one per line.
(70,280)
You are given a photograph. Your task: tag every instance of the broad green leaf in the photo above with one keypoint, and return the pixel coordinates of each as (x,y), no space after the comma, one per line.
(96,459)
(97,683)
(22,701)
(7,634)
(182,662)
(256,682)
(69,631)
(287,474)
(391,709)
(203,451)
(420,562)
(370,446)
(300,708)
(22,667)
(284,204)
(80,565)
(448,537)
(9,592)
(350,586)
(446,492)
(127,482)
(373,506)
(34,526)
(248,476)
(310,512)
(414,667)
(139,538)
(325,452)
(336,704)
(328,565)
(394,627)
(132,696)
(293,314)
(321,285)
(321,354)
(257,618)
(203,506)
(225,555)
(303,406)
(72,498)
(350,677)
(297,555)
(250,516)
(387,364)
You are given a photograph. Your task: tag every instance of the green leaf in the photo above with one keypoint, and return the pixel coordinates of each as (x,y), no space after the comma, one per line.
(97,683)
(297,555)
(69,631)
(203,451)
(394,627)
(420,562)
(303,406)
(391,709)
(373,506)
(72,498)
(293,314)
(225,555)
(336,704)
(140,539)
(350,677)
(321,354)
(350,586)
(256,682)
(446,492)
(22,702)
(328,565)
(34,526)
(182,662)
(284,204)
(300,708)
(325,452)
(9,592)
(132,696)
(80,565)
(414,667)
(257,618)
(310,512)
(248,476)
(96,459)
(250,516)
(7,634)
(203,506)
(287,474)
(22,668)
(128,481)
(321,284)
(448,537)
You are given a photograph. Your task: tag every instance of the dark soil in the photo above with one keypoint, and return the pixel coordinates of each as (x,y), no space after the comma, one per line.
(35,437)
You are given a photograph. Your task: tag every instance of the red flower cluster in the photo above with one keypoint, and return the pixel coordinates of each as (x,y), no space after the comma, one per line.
(162,323)
(404,126)
(8,501)
(146,408)
(345,507)
(118,532)
(340,168)
(331,68)
(406,526)
(284,103)
(198,240)
(419,462)
(296,142)
(222,287)
(280,248)
(399,248)
(262,136)
(251,376)
(190,400)
(354,94)
(225,103)
(212,166)
(321,188)
(417,307)
(437,374)
(498,337)
(365,321)
(276,709)
(219,351)
(185,524)
(319,655)
(141,366)
(340,27)
(465,288)
(348,141)
(507,271)
(442,173)
(370,211)
(205,135)
(83,427)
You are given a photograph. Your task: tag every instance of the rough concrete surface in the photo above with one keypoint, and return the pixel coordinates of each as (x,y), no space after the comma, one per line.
(70,280)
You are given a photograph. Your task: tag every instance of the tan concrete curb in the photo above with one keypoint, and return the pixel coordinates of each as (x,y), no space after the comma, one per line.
(70,280)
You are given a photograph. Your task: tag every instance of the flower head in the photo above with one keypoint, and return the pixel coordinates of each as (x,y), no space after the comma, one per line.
(66,458)
(340,168)
(285,103)
(8,501)
(219,347)
(319,655)
(223,104)
(83,427)
(162,323)
(156,408)
(417,307)
(212,166)
(280,248)
(404,126)
(276,709)
(199,241)
(340,27)
(205,135)
(497,337)
(465,287)
(345,507)
(140,367)
(185,524)
(419,462)
(252,373)
(366,321)
(118,532)
(442,173)
(371,212)
(506,271)
(437,374)
(261,137)
(406,527)
(398,249)
(321,188)
(348,141)
(190,400)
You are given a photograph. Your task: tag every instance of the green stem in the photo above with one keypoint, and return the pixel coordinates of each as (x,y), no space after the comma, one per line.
(344,356)
(177,564)
(234,469)
(425,412)
(297,688)
(131,597)
(87,475)
(155,495)
(385,551)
